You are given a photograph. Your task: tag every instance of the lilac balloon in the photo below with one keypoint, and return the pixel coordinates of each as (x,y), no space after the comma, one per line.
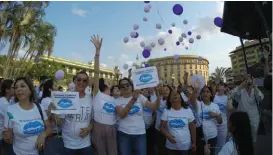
(145,19)
(135,26)
(133,34)
(198,37)
(218,21)
(152,44)
(146,53)
(170,31)
(150,6)
(180,39)
(161,41)
(158,26)
(189,33)
(142,44)
(126,39)
(185,22)
(199,58)
(125,66)
(147,65)
(148,47)
(59,74)
(165,49)
(186,48)
(177,43)
(177,9)
(191,40)
(146,9)
(184,35)
(173,24)
(136,35)
(176,57)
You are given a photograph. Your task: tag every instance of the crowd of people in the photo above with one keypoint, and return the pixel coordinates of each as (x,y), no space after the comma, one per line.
(120,120)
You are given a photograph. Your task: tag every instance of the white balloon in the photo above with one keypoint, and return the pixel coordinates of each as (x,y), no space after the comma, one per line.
(199,58)
(152,44)
(161,41)
(191,40)
(142,44)
(184,35)
(125,66)
(185,22)
(173,24)
(145,19)
(158,26)
(59,74)
(198,37)
(180,39)
(148,47)
(135,27)
(147,9)
(133,34)
(126,39)
(186,48)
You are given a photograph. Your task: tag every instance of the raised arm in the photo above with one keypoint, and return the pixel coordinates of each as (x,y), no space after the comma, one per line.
(97,41)
(155,106)
(123,111)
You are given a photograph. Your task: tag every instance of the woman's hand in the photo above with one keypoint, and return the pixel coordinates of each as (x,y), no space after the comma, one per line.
(52,106)
(41,141)
(193,147)
(213,114)
(97,41)
(85,131)
(207,149)
(8,136)
(171,139)
(136,94)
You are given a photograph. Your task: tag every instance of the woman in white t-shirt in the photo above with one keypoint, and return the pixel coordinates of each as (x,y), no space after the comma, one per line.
(208,114)
(240,142)
(131,130)
(26,122)
(224,105)
(6,93)
(178,126)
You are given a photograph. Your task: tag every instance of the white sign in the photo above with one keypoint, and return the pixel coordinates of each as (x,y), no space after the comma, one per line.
(145,77)
(66,102)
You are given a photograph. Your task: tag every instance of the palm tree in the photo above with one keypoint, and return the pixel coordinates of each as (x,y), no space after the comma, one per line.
(218,75)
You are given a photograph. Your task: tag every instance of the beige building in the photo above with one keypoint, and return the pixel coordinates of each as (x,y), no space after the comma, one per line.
(253,55)
(170,70)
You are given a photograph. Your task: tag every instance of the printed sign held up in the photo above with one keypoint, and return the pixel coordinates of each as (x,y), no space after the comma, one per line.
(66,102)
(145,77)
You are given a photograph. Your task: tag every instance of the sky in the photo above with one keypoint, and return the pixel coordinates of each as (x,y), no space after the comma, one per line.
(76,22)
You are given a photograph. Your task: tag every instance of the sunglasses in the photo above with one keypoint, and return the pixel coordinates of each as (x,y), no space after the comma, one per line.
(82,80)
(125,85)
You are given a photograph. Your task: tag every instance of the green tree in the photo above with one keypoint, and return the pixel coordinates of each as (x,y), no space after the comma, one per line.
(219,74)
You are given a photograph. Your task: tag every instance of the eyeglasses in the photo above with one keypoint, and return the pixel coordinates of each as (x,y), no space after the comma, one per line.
(81,80)
(125,85)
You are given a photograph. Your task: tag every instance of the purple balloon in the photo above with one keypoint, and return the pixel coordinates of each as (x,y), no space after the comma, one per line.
(145,19)
(165,49)
(189,33)
(177,43)
(173,24)
(218,21)
(126,39)
(146,9)
(147,65)
(135,26)
(177,9)
(136,35)
(199,58)
(161,41)
(146,53)
(59,74)
(170,31)
(146,2)
(152,44)
(133,34)
(176,57)
(149,5)
(158,26)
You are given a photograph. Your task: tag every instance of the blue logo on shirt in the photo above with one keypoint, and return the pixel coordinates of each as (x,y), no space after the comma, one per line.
(147,110)
(176,123)
(222,107)
(109,108)
(65,103)
(205,115)
(161,109)
(134,110)
(145,78)
(33,128)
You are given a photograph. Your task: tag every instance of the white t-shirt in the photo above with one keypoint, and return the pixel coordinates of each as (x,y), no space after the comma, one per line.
(74,122)
(229,148)
(133,123)
(222,102)
(27,126)
(3,110)
(104,109)
(178,126)
(159,113)
(148,114)
(209,124)
(45,103)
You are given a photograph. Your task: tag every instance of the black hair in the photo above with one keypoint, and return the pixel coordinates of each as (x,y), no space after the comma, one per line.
(112,89)
(221,84)
(60,87)
(81,72)
(47,87)
(102,85)
(241,133)
(169,104)
(210,89)
(74,78)
(33,95)
(128,80)
(5,84)
(225,85)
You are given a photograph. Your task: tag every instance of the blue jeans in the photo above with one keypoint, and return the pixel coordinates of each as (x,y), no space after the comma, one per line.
(132,143)
(83,151)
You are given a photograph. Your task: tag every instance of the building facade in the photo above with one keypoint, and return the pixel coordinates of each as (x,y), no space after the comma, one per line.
(72,67)
(253,55)
(171,70)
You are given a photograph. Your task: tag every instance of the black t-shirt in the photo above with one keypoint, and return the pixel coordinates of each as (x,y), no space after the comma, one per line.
(268,83)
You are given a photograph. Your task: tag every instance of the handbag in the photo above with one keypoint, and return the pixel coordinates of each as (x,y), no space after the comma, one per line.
(261,128)
(54,145)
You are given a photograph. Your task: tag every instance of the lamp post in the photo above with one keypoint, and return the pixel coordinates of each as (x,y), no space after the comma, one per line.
(173,78)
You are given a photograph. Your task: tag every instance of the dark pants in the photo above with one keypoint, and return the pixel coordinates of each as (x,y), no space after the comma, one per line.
(132,143)
(213,143)
(177,152)
(8,148)
(150,136)
(160,144)
(200,143)
(83,151)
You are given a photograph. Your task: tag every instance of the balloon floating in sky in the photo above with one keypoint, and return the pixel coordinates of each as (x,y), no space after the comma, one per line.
(59,75)
(152,44)
(158,26)
(176,57)
(146,9)
(136,35)
(150,6)
(146,1)
(136,26)
(218,21)
(165,49)
(125,66)
(177,43)
(170,31)
(148,48)
(180,39)
(173,24)
(186,48)
(142,44)
(177,9)
(184,35)
(198,37)
(161,41)
(126,39)
(199,58)
(147,65)
(185,22)
(191,40)
(189,33)
(146,53)
(145,19)
(133,34)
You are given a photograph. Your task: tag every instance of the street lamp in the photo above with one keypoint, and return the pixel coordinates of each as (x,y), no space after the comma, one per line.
(173,78)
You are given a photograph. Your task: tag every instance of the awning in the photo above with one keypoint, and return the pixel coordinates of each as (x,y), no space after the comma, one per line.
(243,20)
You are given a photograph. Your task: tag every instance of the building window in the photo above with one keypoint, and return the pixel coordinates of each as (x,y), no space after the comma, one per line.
(190,66)
(184,66)
(191,73)
(195,66)
(196,72)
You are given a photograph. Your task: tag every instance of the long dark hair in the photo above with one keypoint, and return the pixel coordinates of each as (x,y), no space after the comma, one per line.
(128,80)
(5,84)
(241,132)
(169,104)
(102,85)
(210,89)
(48,86)
(33,95)
(112,89)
